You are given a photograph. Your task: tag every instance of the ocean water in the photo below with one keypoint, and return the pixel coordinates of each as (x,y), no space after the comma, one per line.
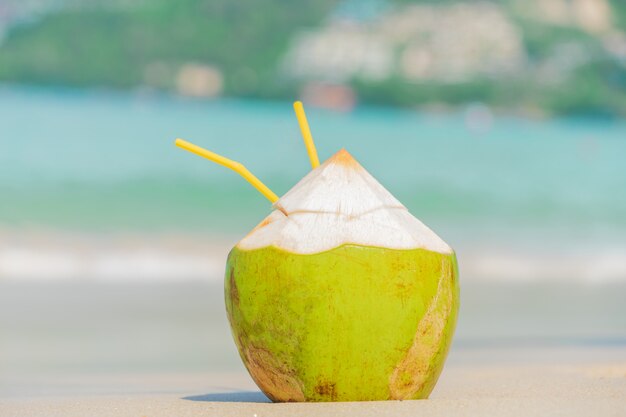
(547,197)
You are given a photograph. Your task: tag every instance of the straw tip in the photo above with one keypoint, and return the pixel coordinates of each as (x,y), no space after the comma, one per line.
(297,104)
(178,141)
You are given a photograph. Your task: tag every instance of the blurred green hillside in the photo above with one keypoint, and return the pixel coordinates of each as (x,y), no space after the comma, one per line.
(116,47)
(539,56)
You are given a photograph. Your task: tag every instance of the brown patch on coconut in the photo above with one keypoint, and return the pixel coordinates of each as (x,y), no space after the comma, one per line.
(234,292)
(327,389)
(410,376)
(275,378)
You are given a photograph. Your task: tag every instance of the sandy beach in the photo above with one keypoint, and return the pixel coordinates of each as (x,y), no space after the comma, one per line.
(591,388)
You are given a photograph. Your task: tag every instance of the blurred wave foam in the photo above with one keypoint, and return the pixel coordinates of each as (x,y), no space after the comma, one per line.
(129,258)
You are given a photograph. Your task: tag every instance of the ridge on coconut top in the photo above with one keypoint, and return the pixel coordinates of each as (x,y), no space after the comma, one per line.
(339,186)
(340,203)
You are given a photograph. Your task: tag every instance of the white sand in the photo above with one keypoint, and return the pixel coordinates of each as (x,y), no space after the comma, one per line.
(582,389)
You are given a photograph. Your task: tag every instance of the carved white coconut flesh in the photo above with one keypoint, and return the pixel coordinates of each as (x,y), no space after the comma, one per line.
(341,203)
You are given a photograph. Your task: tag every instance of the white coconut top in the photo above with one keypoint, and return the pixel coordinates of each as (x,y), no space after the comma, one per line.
(341,203)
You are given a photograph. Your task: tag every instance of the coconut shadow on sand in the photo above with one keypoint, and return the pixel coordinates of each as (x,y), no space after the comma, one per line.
(231,397)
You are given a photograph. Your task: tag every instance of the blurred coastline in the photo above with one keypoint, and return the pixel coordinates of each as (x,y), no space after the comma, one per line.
(530,57)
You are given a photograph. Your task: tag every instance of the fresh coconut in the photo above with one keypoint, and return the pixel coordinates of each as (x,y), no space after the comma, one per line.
(340,294)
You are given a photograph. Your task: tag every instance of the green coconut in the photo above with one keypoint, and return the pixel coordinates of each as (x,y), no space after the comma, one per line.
(341,294)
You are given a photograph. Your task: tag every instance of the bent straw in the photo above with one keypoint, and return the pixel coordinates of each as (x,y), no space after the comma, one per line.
(229,163)
(306,134)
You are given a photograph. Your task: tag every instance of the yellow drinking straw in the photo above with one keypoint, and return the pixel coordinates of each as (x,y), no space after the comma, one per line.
(229,163)
(306,134)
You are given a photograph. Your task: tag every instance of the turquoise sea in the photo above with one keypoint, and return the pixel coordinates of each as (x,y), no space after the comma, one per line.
(105,161)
